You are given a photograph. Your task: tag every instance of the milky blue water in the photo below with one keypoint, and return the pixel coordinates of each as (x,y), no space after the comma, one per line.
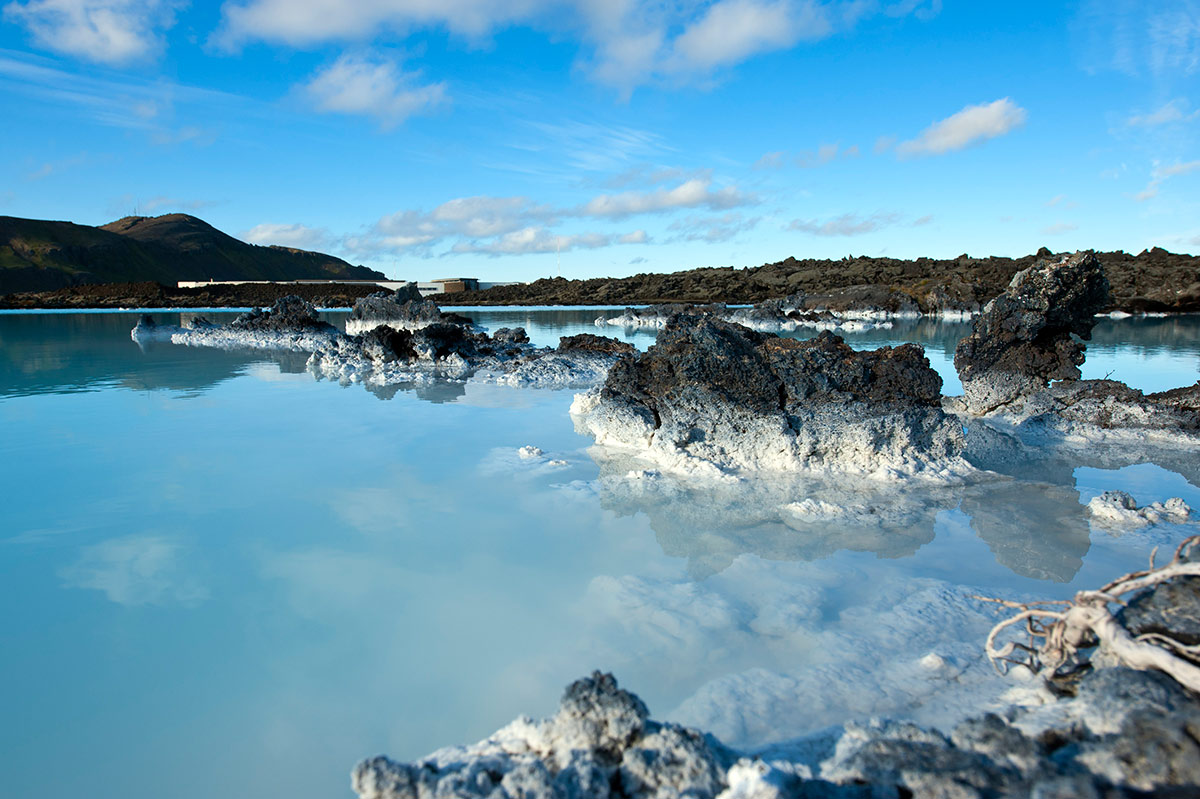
(220,576)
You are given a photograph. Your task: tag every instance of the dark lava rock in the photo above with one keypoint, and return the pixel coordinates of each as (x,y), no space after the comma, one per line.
(288,314)
(401,308)
(589,342)
(1170,608)
(510,337)
(768,374)
(384,345)
(1023,338)
(712,390)
(600,744)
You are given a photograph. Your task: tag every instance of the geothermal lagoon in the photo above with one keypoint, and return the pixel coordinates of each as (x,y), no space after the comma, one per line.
(223,576)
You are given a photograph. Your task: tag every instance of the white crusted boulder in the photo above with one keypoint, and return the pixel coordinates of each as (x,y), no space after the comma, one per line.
(713,395)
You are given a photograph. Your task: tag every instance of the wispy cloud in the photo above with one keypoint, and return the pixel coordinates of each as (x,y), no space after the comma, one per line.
(625,44)
(1174,111)
(852,224)
(123,101)
(1059,228)
(773,160)
(1160,174)
(300,237)
(518,225)
(972,125)
(539,240)
(713,229)
(373,86)
(1134,37)
(116,32)
(694,193)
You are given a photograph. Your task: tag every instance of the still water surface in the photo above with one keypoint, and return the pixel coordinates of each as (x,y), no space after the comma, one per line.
(222,577)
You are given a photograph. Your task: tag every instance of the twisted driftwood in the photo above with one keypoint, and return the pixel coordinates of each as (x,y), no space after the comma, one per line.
(1059,629)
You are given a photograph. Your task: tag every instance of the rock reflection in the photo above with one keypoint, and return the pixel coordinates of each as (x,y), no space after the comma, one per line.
(1036,530)
(789,518)
(436,391)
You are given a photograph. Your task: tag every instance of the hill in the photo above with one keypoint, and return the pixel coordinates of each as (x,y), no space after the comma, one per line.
(38,255)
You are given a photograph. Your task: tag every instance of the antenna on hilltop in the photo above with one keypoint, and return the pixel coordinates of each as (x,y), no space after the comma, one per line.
(558,256)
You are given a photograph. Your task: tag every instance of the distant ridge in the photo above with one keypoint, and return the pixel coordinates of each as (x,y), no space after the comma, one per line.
(39,255)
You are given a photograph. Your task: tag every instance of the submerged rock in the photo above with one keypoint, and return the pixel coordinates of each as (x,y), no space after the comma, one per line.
(1023,338)
(717,393)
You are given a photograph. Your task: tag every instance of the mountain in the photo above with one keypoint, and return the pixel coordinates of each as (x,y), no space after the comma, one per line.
(37,255)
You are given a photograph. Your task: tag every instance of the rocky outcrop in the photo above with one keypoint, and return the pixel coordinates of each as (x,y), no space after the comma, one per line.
(402,309)
(1023,338)
(586,342)
(1108,731)
(601,743)
(1124,732)
(1026,338)
(291,324)
(713,394)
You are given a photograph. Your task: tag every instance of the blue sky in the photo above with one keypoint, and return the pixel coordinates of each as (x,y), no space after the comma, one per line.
(508,141)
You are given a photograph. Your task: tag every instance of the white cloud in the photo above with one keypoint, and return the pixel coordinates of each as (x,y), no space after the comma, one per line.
(300,237)
(539,240)
(374,87)
(733,30)
(1160,174)
(1174,111)
(302,23)
(847,224)
(972,125)
(512,225)
(694,193)
(625,43)
(108,31)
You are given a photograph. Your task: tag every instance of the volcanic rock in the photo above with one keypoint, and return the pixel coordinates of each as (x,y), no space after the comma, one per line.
(1023,338)
(710,391)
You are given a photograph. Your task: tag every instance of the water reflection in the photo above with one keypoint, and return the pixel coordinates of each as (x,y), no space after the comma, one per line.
(1036,528)
(773,517)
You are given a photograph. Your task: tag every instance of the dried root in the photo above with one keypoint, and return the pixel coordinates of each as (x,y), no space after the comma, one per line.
(1058,632)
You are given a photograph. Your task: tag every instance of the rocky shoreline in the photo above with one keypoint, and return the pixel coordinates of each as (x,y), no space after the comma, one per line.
(121,296)
(1153,281)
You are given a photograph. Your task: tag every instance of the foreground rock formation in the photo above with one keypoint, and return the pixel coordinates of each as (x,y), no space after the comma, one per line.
(1108,721)
(1025,338)
(1112,731)
(713,394)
